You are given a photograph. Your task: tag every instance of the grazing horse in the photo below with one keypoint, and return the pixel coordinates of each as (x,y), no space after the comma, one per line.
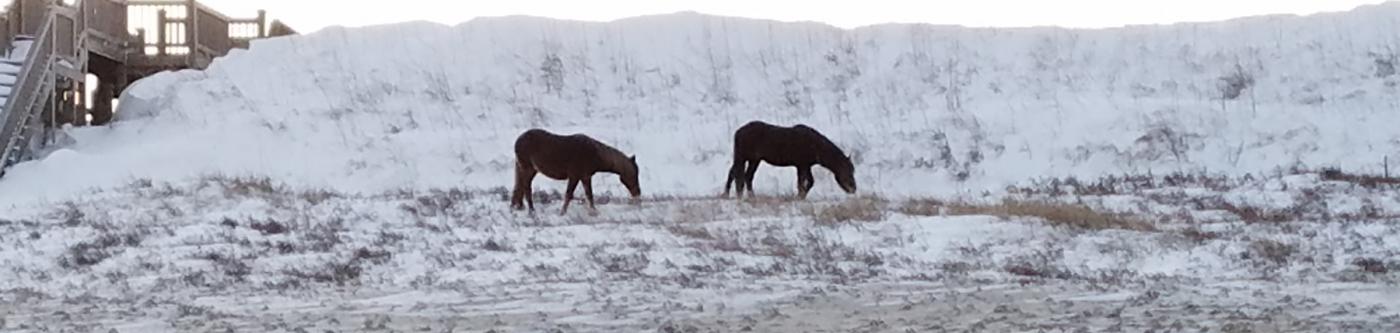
(798,146)
(567,157)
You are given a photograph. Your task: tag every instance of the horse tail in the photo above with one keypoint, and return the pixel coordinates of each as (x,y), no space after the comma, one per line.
(736,171)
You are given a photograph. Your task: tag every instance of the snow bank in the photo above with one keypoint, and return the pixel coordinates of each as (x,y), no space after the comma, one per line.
(922,108)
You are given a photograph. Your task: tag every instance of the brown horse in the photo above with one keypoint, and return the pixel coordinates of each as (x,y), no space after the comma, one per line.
(798,146)
(567,157)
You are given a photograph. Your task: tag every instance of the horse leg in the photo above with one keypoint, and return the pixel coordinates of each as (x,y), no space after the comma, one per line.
(529,188)
(736,172)
(569,194)
(524,176)
(588,192)
(748,177)
(804,181)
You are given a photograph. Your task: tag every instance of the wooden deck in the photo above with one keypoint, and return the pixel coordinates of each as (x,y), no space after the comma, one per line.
(119,41)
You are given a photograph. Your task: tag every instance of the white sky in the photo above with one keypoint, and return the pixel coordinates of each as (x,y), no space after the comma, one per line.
(309,15)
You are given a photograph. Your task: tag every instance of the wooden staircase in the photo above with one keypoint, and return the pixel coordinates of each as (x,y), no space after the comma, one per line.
(50,47)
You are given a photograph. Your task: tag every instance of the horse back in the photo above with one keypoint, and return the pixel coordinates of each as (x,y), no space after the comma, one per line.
(778,145)
(557,155)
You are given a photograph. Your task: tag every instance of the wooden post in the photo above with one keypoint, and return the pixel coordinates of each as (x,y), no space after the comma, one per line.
(141,38)
(80,117)
(191,31)
(161,27)
(262,24)
(1386,164)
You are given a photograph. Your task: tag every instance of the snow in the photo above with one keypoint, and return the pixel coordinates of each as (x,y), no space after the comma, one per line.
(422,105)
(386,155)
(181,247)
(19,50)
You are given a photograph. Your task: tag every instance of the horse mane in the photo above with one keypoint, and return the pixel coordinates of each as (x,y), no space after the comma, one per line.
(829,150)
(614,160)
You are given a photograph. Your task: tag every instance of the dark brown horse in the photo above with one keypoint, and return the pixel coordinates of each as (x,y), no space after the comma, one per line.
(567,157)
(798,146)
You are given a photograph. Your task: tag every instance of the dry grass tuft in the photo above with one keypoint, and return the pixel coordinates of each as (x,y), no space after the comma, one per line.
(691,232)
(1367,181)
(1070,215)
(863,209)
(922,207)
(243,186)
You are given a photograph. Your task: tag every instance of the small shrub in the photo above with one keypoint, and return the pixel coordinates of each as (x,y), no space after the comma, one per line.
(1042,263)
(956,267)
(1234,84)
(1036,271)
(436,203)
(322,237)
(1367,181)
(1385,63)
(92,252)
(244,186)
(140,183)
(388,238)
(1371,265)
(1271,251)
(687,281)
(340,273)
(542,271)
(269,227)
(494,246)
(1198,236)
(632,263)
(317,196)
(229,265)
(69,214)
(672,327)
(183,310)
(691,232)
(377,256)
(1251,214)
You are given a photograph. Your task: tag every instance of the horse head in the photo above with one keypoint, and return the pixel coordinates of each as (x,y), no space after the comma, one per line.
(629,177)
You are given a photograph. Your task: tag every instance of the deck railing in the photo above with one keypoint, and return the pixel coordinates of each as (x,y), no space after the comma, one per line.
(188,33)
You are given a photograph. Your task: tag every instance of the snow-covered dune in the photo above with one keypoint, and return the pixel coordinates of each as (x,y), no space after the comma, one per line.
(394,146)
(921,108)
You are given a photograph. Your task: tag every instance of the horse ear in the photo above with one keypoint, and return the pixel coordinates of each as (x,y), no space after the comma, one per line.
(633,158)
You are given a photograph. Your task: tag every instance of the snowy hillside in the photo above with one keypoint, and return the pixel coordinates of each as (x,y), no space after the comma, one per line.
(1167,178)
(919,107)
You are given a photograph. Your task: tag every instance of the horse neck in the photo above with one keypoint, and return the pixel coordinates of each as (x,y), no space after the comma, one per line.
(828,154)
(614,161)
